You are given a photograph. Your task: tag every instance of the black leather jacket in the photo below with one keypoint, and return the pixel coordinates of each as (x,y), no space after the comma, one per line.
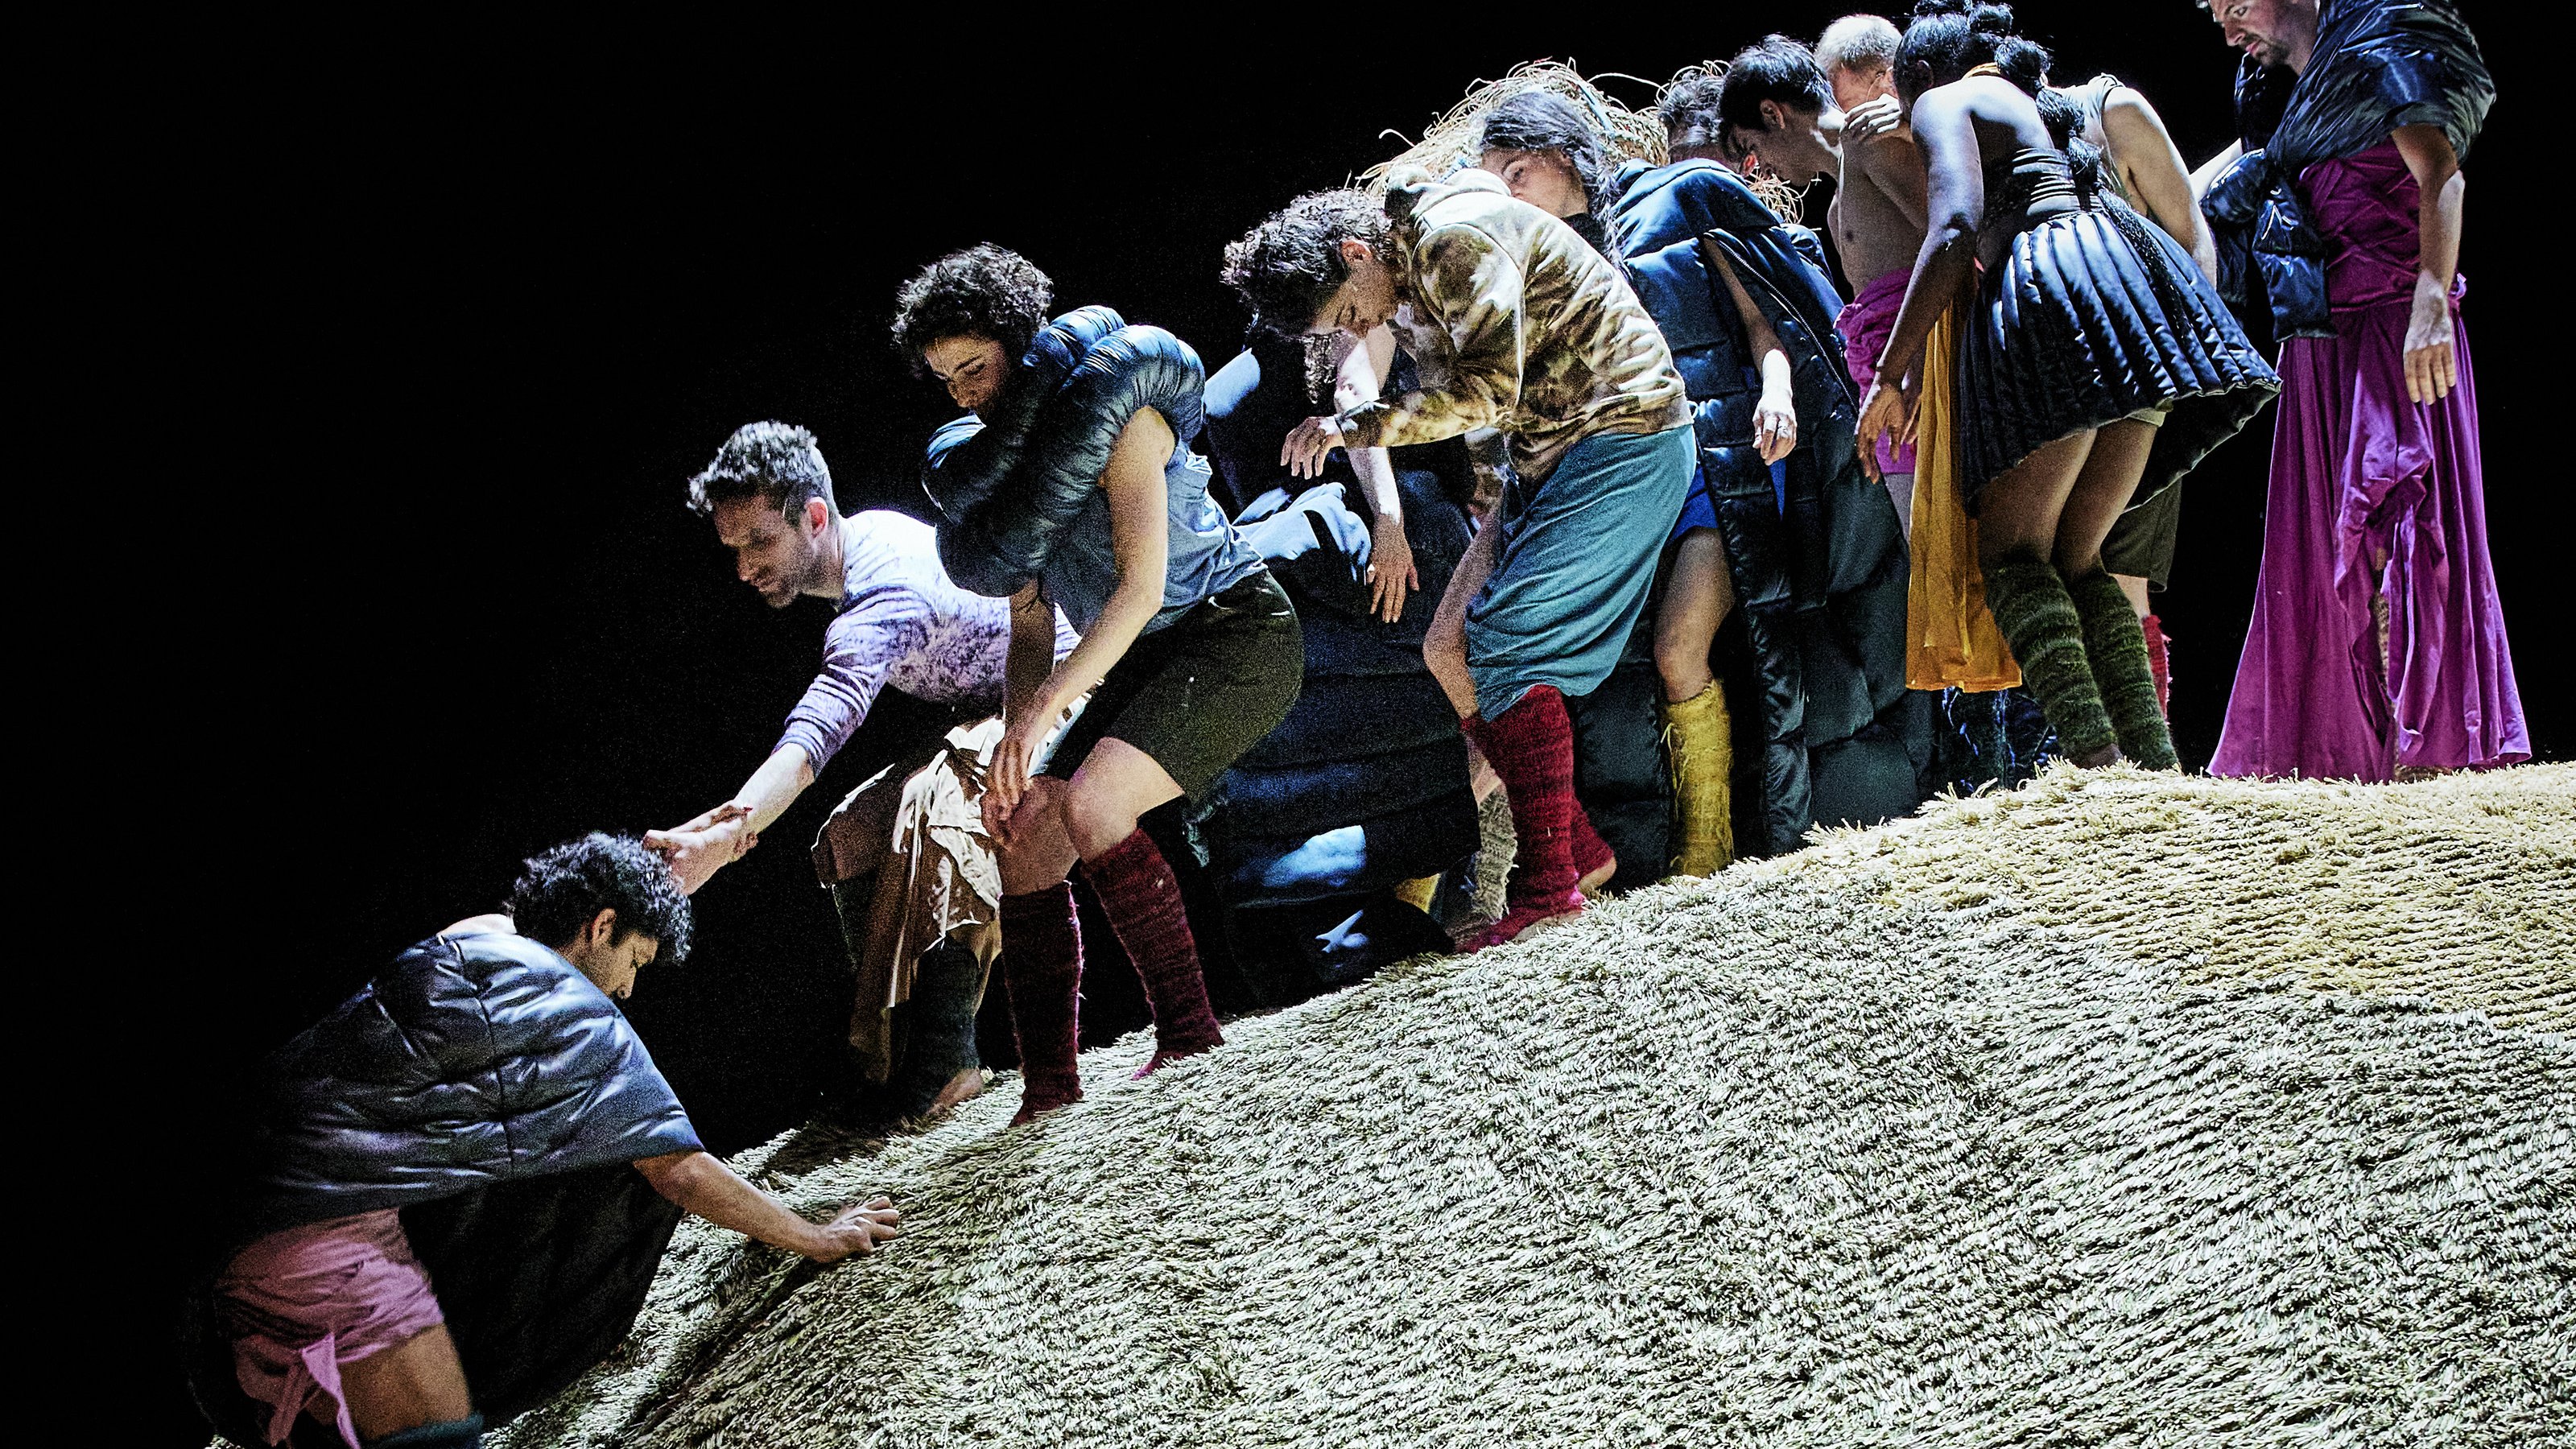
(470,1060)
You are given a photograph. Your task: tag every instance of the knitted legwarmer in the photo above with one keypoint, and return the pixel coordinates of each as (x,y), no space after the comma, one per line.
(2038,619)
(1042,966)
(1531,745)
(2116,645)
(1142,899)
(1699,736)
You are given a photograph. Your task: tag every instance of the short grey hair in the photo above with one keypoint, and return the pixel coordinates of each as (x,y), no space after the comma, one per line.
(1859,44)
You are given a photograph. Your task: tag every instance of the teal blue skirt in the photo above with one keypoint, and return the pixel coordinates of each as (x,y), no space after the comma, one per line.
(1577,560)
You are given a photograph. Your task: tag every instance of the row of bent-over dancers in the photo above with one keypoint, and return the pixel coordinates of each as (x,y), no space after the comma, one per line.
(1951,470)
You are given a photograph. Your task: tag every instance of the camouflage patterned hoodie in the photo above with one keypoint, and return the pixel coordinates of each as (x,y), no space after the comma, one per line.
(1516,323)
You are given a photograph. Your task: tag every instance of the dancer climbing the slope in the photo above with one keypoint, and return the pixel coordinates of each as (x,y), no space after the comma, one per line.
(1071,486)
(1516,322)
(2101,363)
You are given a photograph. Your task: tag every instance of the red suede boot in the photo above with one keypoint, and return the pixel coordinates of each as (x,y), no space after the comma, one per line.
(2157,663)
(1532,747)
(1143,902)
(1042,965)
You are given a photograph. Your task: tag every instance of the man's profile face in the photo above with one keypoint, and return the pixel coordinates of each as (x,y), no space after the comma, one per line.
(1785,144)
(1364,301)
(771,551)
(2263,29)
(610,955)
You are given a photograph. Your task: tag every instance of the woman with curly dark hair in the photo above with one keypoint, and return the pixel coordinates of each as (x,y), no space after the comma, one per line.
(2096,360)
(1071,485)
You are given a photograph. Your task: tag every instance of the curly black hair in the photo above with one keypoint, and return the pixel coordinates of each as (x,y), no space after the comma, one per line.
(1775,68)
(1540,121)
(561,890)
(1949,38)
(983,291)
(1286,268)
(776,462)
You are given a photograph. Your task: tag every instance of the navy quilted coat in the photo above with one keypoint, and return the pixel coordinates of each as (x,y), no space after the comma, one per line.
(1820,563)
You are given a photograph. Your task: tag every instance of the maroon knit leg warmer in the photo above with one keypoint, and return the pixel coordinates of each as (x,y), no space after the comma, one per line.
(1143,902)
(1532,747)
(2159,663)
(1042,965)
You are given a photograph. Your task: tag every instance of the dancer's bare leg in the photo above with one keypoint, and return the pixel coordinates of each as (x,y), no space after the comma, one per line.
(1698,596)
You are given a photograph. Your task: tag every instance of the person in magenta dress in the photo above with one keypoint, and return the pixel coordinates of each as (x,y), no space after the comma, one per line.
(2378,643)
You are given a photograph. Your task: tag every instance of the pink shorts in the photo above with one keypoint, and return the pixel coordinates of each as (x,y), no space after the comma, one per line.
(300,1303)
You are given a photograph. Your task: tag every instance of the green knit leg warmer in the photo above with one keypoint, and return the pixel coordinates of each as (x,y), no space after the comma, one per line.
(2038,619)
(2118,648)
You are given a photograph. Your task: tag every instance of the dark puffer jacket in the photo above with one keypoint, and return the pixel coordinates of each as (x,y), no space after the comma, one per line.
(1364,784)
(1820,563)
(1010,482)
(469,1061)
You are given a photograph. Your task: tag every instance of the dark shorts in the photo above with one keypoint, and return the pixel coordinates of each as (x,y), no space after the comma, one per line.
(1199,692)
(2141,544)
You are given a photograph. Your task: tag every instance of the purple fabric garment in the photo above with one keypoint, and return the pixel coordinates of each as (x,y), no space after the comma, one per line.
(902,622)
(1866,323)
(2360,474)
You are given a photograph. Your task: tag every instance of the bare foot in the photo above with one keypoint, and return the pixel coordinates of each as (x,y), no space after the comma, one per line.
(962,1088)
(2100,759)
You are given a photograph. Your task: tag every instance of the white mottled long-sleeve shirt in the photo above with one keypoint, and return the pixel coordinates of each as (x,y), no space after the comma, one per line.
(902,623)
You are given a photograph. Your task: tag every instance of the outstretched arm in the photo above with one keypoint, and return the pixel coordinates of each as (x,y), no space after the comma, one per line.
(2432,367)
(1956,193)
(701,1184)
(2145,154)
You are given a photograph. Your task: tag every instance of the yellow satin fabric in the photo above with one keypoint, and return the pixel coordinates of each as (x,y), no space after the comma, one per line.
(1951,633)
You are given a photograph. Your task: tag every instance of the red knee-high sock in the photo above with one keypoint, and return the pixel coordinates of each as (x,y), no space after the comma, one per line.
(1042,965)
(1591,852)
(2159,663)
(1531,745)
(1142,899)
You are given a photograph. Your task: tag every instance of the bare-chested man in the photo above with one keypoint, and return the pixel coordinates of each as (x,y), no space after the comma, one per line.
(1780,107)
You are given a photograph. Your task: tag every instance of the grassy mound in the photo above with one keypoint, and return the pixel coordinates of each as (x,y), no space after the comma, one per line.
(2125,1109)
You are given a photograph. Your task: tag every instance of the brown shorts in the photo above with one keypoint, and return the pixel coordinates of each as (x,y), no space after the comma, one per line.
(1201,691)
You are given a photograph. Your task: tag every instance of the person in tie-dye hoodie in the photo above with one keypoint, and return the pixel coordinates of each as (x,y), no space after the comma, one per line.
(1516,323)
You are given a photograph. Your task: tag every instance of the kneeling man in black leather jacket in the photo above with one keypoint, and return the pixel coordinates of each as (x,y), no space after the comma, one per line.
(483,1058)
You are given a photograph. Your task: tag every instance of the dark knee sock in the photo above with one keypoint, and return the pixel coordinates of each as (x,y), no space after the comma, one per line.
(465,1433)
(1142,899)
(2117,646)
(1042,965)
(947,987)
(2038,618)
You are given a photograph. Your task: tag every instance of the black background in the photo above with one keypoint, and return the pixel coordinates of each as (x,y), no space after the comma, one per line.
(455,323)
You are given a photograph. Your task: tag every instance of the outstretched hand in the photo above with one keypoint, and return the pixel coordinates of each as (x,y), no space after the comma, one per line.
(1886,410)
(856,1228)
(1308,444)
(697,850)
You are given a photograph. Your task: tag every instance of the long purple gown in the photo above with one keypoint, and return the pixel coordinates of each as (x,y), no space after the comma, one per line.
(2372,494)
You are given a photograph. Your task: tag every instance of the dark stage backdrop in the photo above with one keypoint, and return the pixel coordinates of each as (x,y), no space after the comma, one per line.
(467,315)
